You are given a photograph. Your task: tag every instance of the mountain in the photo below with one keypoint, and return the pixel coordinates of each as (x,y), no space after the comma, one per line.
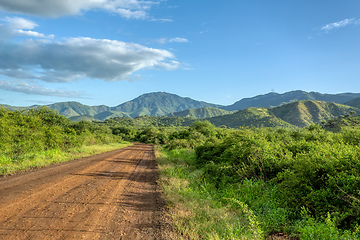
(151,104)
(275,99)
(162,104)
(159,104)
(250,117)
(71,109)
(12,108)
(305,113)
(109,114)
(296,114)
(354,102)
(200,113)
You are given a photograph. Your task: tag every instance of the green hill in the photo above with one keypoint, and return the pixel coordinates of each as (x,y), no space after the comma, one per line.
(71,109)
(200,113)
(250,117)
(109,114)
(159,104)
(354,103)
(162,104)
(83,118)
(12,108)
(276,99)
(296,114)
(305,113)
(341,123)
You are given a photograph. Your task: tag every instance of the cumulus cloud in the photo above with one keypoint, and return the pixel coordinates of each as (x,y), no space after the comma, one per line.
(79,58)
(340,24)
(20,23)
(17,26)
(172,40)
(55,8)
(38,90)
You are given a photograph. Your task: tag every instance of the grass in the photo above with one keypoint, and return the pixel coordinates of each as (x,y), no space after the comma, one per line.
(248,209)
(45,158)
(195,205)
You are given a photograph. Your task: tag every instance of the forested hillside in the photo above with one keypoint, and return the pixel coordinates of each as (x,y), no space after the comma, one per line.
(162,103)
(200,113)
(296,114)
(276,99)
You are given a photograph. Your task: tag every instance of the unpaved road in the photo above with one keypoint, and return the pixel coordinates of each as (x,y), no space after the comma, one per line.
(112,195)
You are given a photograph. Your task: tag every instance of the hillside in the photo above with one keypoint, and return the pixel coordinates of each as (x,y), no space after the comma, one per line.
(341,123)
(150,104)
(305,113)
(83,118)
(12,108)
(159,104)
(162,104)
(148,121)
(71,109)
(276,99)
(109,114)
(250,117)
(200,113)
(354,102)
(296,114)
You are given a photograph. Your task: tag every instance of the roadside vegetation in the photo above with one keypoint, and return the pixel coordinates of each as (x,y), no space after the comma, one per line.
(259,183)
(220,183)
(39,137)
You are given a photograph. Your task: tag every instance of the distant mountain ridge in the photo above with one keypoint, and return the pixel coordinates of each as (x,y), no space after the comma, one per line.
(275,99)
(162,104)
(296,114)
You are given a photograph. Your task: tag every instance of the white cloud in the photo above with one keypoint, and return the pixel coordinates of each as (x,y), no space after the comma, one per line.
(31,34)
(38,90)
(178,40)
(136,9)
(80,58)
(172,40)
(17,26)
(20,23)
(340,24)
(126,13)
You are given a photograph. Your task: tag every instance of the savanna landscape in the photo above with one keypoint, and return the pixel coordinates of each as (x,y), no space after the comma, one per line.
(282,172)
(169,120)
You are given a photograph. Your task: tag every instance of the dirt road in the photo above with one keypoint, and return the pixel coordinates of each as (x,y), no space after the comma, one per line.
(113,195)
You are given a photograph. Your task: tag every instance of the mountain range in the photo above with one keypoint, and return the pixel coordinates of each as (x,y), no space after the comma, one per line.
(296,114)
(295,108)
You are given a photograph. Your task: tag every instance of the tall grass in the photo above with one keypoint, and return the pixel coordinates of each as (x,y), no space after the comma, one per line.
(204,208)
(198,210)
(48,157)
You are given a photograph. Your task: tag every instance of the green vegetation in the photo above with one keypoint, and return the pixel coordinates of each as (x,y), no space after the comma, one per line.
(354,102)
(83,118)
(38,137)
(292,115)
(200,113)
(221,183)
(275,99)
(260,182)
(161,104)
(306,113)
(250,117)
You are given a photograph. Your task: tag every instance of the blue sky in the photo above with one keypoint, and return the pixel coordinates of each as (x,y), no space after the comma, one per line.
(111,51)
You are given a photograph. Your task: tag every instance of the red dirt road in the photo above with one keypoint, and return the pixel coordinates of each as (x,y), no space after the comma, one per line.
(112,195)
